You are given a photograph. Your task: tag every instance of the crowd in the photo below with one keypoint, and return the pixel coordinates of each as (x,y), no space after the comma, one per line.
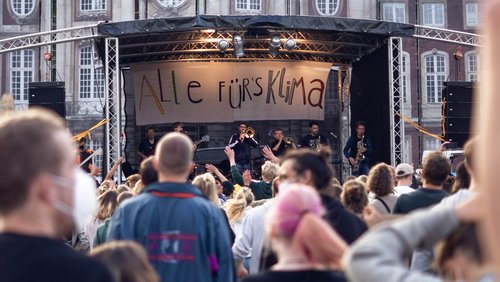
(297,223)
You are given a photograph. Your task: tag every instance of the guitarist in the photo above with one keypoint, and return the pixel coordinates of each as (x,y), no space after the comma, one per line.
(359,158)
(148,145)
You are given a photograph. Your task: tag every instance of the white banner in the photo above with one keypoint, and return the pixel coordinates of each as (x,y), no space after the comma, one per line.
(224,92)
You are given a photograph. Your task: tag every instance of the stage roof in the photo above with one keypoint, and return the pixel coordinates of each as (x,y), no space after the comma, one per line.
(325,39)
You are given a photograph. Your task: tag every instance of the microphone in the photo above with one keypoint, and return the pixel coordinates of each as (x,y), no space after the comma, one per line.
(332,134)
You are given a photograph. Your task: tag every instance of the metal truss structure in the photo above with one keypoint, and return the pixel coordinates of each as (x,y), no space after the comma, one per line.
(113,104)
(48,38)
(397,129)
(450,36)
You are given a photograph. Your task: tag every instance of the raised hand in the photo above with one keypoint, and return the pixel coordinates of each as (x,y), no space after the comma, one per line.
(247,178)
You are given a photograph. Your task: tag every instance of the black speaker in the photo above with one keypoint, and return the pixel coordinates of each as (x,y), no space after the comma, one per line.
(457,111)
(50,95)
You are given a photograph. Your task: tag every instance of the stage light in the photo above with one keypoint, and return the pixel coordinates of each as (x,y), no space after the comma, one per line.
(274,46)
(238,46)
(223,45)
(290,44)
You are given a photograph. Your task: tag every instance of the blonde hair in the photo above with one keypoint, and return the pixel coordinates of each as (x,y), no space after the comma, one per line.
(139,186)
(132,180)
(206,183)
(107,204)
(269,170)
(234,207)
(123,188)
(107,184)
(126,260)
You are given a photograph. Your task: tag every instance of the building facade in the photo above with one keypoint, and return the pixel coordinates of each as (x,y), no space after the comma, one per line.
(426,64)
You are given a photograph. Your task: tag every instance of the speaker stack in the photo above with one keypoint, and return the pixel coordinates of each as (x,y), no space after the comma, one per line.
(457,111)
(50,95)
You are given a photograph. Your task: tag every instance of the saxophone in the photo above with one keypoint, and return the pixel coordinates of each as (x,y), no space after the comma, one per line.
(317,147)
(359,156)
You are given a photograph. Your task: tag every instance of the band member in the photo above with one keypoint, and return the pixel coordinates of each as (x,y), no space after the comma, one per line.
(281,144)
(148,145)
(179,127)
(241,143)
(83,154)
(313,139)
(358,150)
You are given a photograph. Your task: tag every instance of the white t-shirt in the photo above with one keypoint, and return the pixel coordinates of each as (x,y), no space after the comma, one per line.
(400,190)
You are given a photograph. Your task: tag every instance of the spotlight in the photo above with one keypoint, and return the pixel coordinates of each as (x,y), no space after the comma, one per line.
(223,45)
(238,46)
(290,44)
(275,45)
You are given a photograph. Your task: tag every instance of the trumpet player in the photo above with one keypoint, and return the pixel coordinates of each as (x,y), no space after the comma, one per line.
(281,143)
(314,140)
(241,142)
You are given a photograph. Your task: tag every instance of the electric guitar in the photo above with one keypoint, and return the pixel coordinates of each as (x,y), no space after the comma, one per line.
(205,138)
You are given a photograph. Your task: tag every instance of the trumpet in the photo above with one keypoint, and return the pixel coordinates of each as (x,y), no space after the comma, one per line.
(249,133)
(288,140)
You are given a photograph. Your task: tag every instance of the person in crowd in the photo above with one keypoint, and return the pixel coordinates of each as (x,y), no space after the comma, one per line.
(127,261)
(148,145)
(43,198)
(123,188)
(102,231)
(107,205)
(354,197)
(242,143)
(436,168)
(226,185)
(462,178)
(358,150)
(307,247)
(148,174)
(281,144)
(314,140)
(260,189)
(381,254)
(362,178)
(404,177)
(108,185)
(132,180)
(83,154)
(238,207)
(175,245)
(206,183)
(381,187)
(333,190)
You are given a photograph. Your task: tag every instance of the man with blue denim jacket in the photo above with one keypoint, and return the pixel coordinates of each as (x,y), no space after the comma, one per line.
(184,235)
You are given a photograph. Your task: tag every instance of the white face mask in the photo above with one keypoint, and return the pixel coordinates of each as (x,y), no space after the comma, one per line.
(84,197)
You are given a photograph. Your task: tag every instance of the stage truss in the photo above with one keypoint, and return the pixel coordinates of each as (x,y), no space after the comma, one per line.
(320,47)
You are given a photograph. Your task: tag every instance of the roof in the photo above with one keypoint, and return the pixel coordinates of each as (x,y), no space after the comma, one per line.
(327,39)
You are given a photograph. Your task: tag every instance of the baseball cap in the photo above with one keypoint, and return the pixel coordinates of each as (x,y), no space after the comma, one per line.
(403,169)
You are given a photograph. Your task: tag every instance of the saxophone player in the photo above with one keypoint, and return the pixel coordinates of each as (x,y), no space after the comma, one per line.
(314,140)
(281,144)
(241,142)
(358,150)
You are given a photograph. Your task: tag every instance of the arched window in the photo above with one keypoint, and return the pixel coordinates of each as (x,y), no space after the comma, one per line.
(22,7)
(22,68)
(435,70)
(328,7)
(91,77)
(170,3)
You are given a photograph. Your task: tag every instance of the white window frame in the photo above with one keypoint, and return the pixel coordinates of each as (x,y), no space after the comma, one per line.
(432,144)
(331,7)
(431,6)
(170,3)
(23,4)
(444,75)
(93,5)
(22,66)
(394,6)
(407,154)
(474,19)
(471,71)
(406,77)
(248,5)
(94,84)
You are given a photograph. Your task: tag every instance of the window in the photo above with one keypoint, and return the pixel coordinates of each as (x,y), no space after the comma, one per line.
(432,144)
(394,12)
(91,83)
(472,12)
(22,7)
(472,66)
(21,73)
(170,3)
(249,5)
(405,77)
(93,5)
(433,14)
(328,7)
(407,157)
(435,70)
